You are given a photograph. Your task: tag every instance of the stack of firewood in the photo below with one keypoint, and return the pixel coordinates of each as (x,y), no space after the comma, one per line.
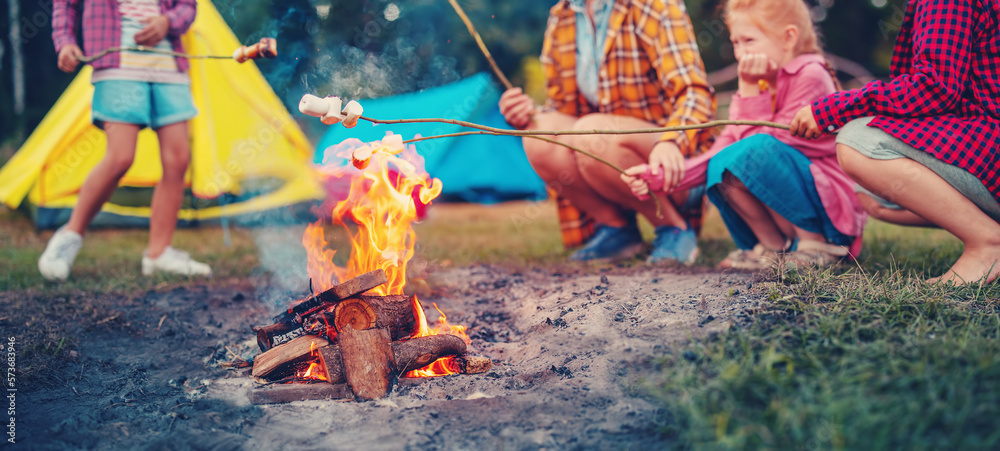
(362,344)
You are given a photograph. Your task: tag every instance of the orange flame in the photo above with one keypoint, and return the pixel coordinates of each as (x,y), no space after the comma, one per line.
(314,371)
(445,365)
(380,203)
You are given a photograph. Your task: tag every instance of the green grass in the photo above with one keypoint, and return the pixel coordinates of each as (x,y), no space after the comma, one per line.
(847,360)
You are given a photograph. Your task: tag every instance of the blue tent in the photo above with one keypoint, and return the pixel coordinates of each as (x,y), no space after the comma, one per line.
(475,168)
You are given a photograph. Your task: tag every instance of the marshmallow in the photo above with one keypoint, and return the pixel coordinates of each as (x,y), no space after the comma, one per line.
(361,157)
(332,114)
(352,111)
(313,106)
(394,143)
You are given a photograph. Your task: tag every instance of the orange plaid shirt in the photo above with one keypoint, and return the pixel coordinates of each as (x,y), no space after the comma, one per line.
(651,71)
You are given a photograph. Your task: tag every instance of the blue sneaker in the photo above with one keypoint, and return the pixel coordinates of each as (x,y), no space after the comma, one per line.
(674,244)
(610,243)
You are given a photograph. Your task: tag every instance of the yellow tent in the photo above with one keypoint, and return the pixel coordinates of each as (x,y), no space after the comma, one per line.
(247,155)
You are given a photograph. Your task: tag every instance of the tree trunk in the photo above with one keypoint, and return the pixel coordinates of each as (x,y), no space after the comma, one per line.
(16,57)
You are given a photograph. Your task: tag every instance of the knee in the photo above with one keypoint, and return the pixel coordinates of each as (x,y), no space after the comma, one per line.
(175,161)
(119,164)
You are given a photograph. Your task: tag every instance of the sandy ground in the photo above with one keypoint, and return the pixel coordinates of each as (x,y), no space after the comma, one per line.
(570,351)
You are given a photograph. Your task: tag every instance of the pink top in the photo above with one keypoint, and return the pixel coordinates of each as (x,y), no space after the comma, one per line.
(799,83)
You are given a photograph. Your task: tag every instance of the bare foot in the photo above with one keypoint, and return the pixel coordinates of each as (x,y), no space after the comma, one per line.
(975,265)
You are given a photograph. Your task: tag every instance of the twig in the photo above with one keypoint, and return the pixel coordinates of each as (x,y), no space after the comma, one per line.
(628,131)
(481,44)
(142,48)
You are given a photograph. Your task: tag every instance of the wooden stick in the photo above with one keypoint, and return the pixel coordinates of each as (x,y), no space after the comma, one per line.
(481,44)
(142,48)
(627,131)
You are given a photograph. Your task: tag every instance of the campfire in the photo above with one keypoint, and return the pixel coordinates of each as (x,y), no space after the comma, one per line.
(355,338)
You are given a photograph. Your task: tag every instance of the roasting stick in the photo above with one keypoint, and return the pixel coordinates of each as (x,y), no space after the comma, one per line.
(481,44)
(330,112)
(266,48)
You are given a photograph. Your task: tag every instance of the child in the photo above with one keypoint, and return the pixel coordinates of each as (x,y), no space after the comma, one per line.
(131,91)
(775,192)
(932,145)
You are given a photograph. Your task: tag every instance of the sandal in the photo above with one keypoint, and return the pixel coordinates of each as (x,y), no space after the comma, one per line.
(816,253)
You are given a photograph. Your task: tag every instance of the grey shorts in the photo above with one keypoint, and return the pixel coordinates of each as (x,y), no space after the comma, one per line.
(879,145)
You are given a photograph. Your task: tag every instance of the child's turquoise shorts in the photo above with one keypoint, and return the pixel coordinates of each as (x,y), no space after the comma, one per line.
(142,103)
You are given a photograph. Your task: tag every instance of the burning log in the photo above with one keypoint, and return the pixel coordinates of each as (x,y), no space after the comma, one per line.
(291,319)
(282,358)
(368,362)
(409,355)
(473,364)
(394,313)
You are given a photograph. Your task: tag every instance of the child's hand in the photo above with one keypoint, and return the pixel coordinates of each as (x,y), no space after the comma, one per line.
(754,67)
(69,57)
(634,178)
(155,30)
(804,124)
(666,160)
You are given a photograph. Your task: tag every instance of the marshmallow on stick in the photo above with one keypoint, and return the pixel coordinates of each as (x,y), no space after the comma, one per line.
(266,48)
(329,110)
(361,157)
(332,115)
(352,111)
(394,144)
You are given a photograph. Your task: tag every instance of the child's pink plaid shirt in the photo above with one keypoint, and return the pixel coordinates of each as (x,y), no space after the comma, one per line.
(102,27)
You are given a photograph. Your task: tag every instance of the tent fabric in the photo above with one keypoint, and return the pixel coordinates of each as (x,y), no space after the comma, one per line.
(247,154)
(473,168)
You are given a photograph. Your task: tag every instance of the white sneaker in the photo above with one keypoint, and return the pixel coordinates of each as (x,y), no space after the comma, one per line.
(55,262)
(175,262)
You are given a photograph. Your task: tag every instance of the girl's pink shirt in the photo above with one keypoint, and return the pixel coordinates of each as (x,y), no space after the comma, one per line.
(799,83)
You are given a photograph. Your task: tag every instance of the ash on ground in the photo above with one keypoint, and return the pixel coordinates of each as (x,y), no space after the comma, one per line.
(571,352)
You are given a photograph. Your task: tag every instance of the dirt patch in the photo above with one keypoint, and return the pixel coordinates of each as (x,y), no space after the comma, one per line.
(570,352)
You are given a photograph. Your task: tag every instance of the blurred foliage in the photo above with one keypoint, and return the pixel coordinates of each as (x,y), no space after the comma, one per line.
(370,48)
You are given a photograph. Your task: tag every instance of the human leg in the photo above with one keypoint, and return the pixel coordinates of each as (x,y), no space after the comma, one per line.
(623,151)
(768,199)
(172,107)
(102,181)
(922,191)
(61,250)
(559,169)
(175,155)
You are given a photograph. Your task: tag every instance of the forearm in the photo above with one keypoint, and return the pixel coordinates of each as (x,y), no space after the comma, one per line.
(65,20)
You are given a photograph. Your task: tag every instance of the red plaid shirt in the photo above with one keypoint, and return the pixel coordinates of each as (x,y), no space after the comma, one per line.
(944,96)
(102,27)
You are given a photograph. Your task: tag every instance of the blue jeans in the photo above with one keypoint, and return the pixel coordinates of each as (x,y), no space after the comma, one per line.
(778,175)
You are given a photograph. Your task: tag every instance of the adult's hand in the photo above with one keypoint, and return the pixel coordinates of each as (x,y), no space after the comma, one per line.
(517,108)
(804,124)
(69,57)
(155,30)
(666,158)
